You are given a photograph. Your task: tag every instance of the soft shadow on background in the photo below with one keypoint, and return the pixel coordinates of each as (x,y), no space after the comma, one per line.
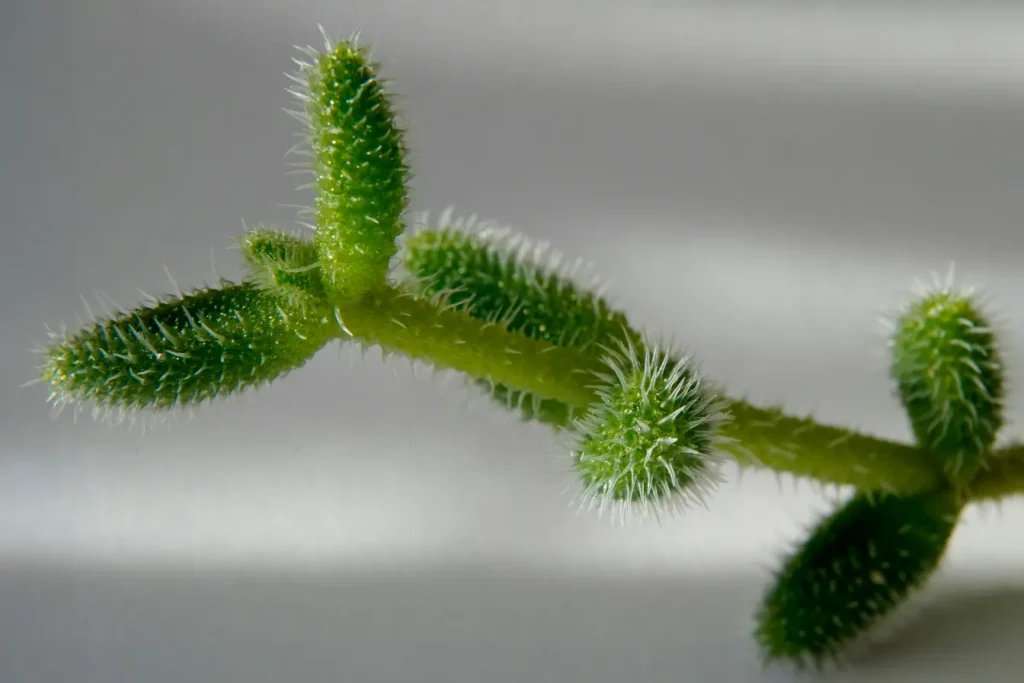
(459,623)
(760,185)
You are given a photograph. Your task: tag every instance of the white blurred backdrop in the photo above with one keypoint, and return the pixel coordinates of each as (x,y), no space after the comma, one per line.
(760,183)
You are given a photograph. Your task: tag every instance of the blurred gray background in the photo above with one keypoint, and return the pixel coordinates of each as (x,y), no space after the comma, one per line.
(760,184)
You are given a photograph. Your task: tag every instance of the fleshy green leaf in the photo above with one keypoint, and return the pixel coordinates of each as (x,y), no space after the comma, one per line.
(358,160)
(179,352)
(284,264)
(650,442)
(498,276)
(857,566)
(950,378)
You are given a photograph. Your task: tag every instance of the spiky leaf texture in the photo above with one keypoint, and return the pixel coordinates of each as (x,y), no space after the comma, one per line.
(185,350)
(857,566)
(650,442)
(283,264)
(950,378)
(359,165)
(496,275)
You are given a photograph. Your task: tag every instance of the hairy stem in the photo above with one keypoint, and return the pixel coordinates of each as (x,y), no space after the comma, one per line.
(1003,476)
(446,338)
(767,437)
(761,437)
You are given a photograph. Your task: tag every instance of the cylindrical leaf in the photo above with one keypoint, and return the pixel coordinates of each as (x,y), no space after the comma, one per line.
(650,442)
(497,276)
(186,350)
(284,264)
(857,566)
(950,379)
(359,167)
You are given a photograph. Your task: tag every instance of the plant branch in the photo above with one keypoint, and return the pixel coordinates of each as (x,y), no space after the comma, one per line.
(423,330)
(767,437)
(1003,477)
(758,437)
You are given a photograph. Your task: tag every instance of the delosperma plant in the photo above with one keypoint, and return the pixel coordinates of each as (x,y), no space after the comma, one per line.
(648,431)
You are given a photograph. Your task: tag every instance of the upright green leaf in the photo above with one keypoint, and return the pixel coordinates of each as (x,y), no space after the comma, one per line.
(359,167)
(950,378)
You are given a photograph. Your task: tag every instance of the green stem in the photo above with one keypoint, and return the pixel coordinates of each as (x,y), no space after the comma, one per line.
(451,339)
(762,437)
(1003,476)
(767,437)
(754,437)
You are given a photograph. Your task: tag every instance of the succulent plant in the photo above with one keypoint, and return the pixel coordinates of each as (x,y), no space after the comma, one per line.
(648,430)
